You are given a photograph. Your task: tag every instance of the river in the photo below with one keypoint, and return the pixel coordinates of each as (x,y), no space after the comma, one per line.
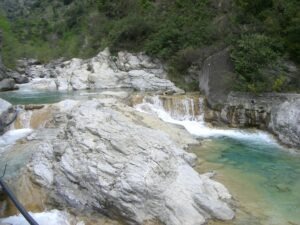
(262,175)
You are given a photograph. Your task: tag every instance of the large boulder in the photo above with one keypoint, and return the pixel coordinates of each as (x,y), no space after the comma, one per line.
(18,78)
(7,115)
(106,158)
(216,78)
(7,84)
(285,122)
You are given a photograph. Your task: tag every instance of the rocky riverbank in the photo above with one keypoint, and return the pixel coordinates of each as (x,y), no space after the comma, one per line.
(104,71)
(102,156)
(276,113)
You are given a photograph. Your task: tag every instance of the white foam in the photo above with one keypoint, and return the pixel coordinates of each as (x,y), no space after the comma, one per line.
(200,129)
(10,137)
(53,217)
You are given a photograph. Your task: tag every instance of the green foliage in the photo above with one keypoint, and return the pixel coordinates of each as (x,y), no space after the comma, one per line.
(251,55)
(276,18)
(10,48)
(253,52)
(279,83)
(261,32)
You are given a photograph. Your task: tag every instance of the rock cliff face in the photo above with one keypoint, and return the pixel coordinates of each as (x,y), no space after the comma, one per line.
(285,122)
(277,113)
(216,78)
(126,70)
(244,110)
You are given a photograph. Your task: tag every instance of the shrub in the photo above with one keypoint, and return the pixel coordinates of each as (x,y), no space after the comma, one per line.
(251,54)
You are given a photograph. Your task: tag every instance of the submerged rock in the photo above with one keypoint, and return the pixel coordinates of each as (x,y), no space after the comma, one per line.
(107,158)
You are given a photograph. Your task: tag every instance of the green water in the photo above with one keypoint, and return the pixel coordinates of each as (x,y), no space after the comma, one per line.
(25,97)
(264,179)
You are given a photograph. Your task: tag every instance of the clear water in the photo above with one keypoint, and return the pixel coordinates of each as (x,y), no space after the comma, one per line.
(25,97)
(263,177)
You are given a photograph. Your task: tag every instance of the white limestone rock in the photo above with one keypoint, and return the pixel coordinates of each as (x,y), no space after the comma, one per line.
(135,71)
(108,159)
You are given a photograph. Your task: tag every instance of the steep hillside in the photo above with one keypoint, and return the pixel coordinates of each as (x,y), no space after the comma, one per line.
(263,35)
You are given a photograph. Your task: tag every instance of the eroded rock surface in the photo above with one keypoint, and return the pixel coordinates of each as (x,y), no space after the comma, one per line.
(107,158)
(277,113)
(285,122)
(216,77)
(126,70)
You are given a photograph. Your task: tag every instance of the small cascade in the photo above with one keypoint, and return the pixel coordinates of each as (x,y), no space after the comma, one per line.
(179,107)
(11,136)
(29,118)
(188,111)
(23,120)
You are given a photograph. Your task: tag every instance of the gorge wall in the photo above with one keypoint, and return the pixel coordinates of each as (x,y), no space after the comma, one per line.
(278,113)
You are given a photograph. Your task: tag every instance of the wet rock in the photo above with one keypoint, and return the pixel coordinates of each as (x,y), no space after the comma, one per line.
(33,107)
(283,188)
(7,85)
(107,158)
(7,115)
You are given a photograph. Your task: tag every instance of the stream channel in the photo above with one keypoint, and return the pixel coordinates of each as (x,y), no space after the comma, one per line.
(262,175)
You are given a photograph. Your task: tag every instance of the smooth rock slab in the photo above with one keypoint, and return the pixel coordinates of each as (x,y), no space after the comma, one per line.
(106,160)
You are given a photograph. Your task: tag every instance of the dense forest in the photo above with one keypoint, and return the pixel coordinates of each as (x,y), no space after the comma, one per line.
(263,35)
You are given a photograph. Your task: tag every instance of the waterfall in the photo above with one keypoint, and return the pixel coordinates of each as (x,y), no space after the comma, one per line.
(11,136)
(19,129)
(53,217)
(188,111)
(181,108)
